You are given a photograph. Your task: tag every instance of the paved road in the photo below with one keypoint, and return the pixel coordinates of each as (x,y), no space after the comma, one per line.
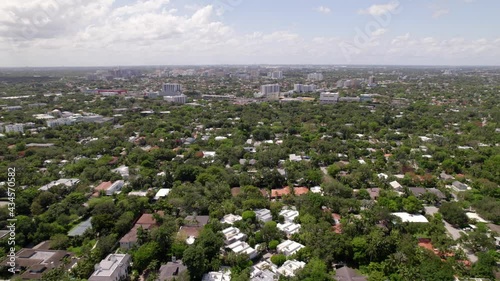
(453,232)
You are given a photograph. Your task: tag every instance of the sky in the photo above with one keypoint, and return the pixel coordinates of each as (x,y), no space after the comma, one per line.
(38,33)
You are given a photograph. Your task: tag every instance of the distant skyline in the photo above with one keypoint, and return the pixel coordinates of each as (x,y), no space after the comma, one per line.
(37,33)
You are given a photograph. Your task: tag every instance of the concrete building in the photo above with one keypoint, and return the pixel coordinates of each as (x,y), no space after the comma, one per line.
(289,228)
(171,270)
(240,247)
(276,74)
(289,247)
(264,271)
(217,276)
(289,214)
(301,88)
(233,234)
(114,187)
(60,122)
(230,219)
(14,128)
(270,89)
(289,268)
(113,268)
(315,76)
(263,215)
(328,98)
(179,99)
(171,89)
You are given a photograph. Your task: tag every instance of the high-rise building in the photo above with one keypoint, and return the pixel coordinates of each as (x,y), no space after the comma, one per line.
(276,74)
(270,89)
(371,80)
(171,89)
(315,76)
(301,88)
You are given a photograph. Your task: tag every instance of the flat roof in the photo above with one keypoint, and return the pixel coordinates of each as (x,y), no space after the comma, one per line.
(406,217)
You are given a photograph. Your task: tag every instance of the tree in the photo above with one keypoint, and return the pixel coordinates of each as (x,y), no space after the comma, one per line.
(454,214)
(484,266)
(248,216)
(278,259)
(315,270)
(145,254)
(412,205)
(195,261)
(59,242)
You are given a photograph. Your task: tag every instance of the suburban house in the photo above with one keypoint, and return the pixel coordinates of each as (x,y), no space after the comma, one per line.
(289,247)
(171,270)
(263,215)
(113,268)
(146,222)
(192,227)
(233,234)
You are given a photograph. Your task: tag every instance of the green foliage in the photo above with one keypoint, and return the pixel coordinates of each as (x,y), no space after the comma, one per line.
(278,259)
(454,214)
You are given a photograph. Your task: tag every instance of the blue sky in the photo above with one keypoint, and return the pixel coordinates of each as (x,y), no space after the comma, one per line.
(132,32)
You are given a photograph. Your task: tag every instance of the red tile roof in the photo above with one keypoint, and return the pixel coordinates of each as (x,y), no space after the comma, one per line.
(103,186)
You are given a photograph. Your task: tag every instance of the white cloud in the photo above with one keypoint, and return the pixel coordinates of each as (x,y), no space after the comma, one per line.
(440,12)
(323,10)
(379,32)
(377,10)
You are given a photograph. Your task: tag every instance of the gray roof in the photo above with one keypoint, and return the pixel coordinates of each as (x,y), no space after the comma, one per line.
(348,274)
(170,270)
(417,191)
(80,228)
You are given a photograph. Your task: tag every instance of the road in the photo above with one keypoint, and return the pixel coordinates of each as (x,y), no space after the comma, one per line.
(453,232)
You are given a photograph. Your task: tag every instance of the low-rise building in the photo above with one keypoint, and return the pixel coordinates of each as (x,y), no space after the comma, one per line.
(263,215)
(289,247)
(233,234)
(406,217)
(230,219)
(171,270)
(289,227)
(328,98)
(64,182)
(113,268)
(240,247)
(289,214)
(289,268)
(264,271)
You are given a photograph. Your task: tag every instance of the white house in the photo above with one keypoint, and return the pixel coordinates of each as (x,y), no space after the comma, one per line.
(289,214)
(263,215)
(233,234)
(240,247)
(406,217)
(65,182)
(162,193)
(230,219)
(395,185)
(289,227)
(289,268)
(217,276)
(116,186)
(113,268)
(289,247)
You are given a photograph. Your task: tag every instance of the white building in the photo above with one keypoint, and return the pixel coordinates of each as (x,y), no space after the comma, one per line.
(233,234)
(301,88)
(240,247)
(406,217)
(289,214)
(60,122)
(270,89)
(289,268)
(123,171)
(289,247)
(162,193)
(315,76)
(276,74)
(395,185)
(171,89)
(217,276)
(179,99)
(116,186)
(14,128)
(289,227)
(65,182)
(328,98)
(230,219)
(113,268)
(263,215)
(264,271)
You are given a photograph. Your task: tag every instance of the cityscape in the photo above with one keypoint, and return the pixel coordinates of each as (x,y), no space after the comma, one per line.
(155,140)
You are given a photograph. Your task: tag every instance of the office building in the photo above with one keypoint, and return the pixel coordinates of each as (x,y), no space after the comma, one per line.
(171,89)
(179,99)
(276,74)
(270,89)
(328,98)
(315,76)
(301,88)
